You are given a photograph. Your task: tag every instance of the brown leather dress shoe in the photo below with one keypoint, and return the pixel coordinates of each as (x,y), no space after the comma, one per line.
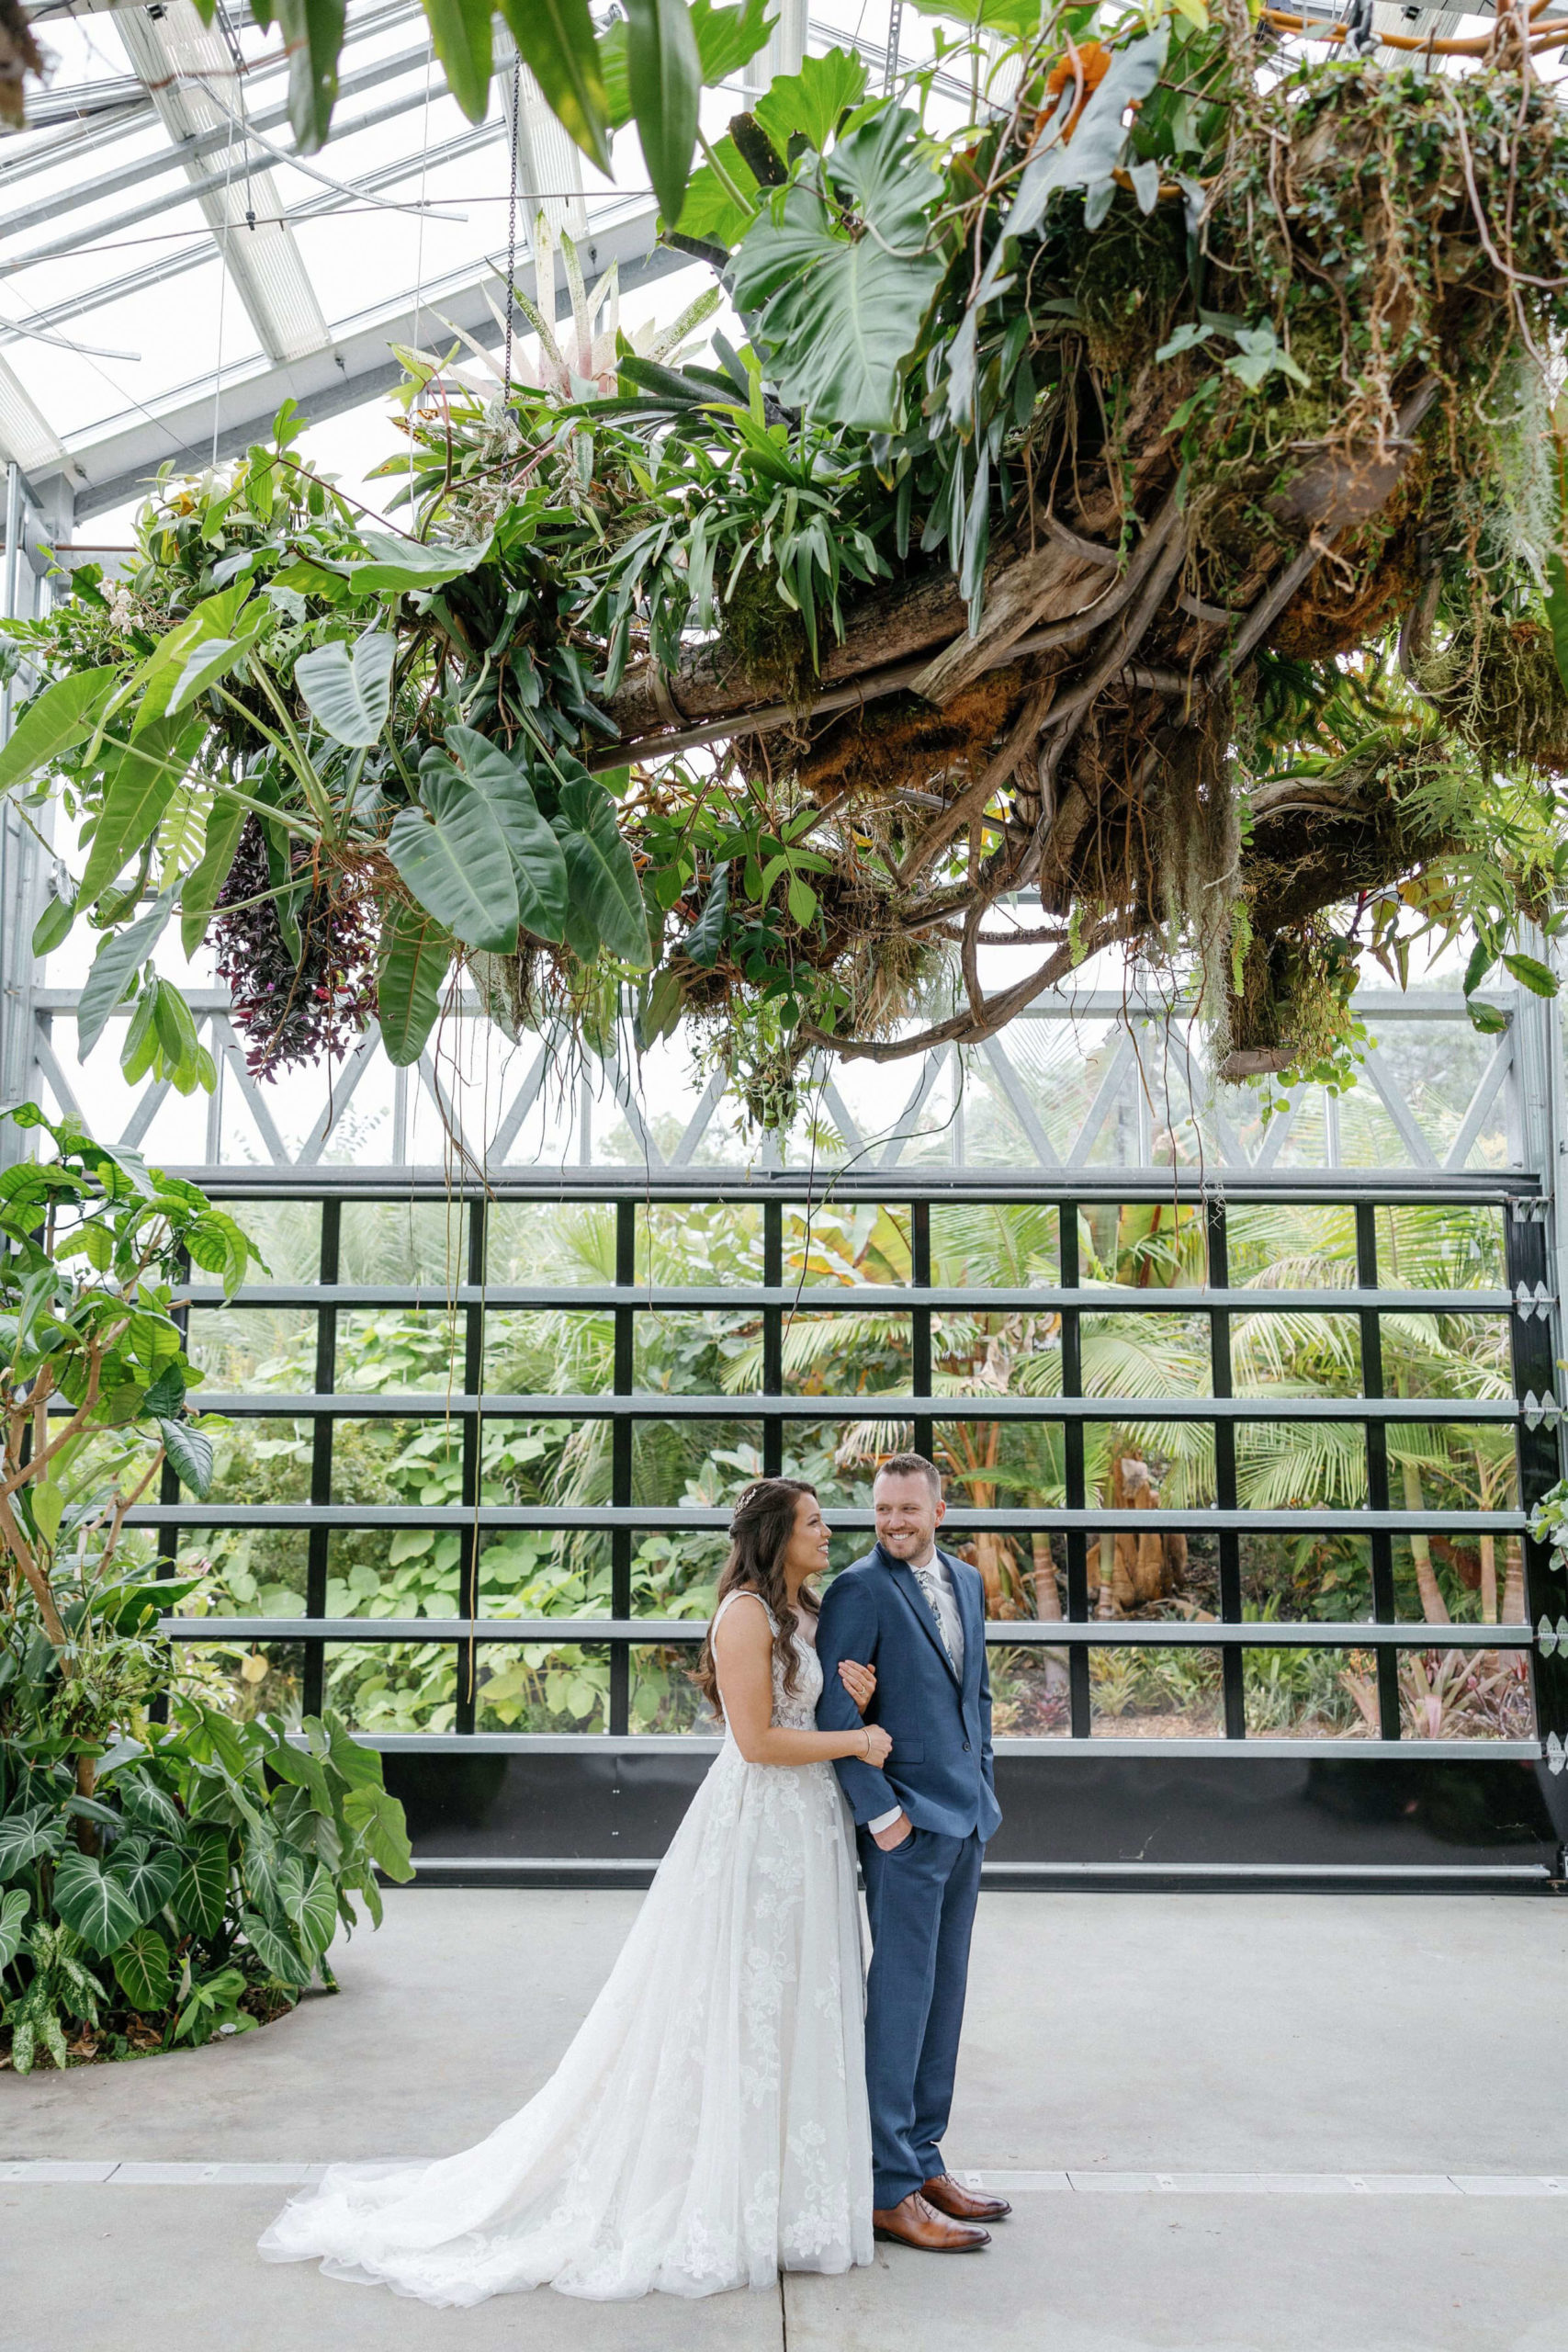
(914,2223)
(949,2196)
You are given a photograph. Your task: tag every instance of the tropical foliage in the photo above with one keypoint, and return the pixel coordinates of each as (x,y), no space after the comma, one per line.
(164,1875)
(1141,498)
(993,1463)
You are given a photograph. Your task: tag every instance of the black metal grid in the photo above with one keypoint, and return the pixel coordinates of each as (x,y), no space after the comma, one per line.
(471,1300)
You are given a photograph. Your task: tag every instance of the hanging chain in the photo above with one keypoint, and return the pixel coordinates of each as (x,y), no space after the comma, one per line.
(511,227)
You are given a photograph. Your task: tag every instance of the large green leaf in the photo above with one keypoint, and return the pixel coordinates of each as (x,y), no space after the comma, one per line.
(275,1949)
(94,1900)
(14,1904)
(461,33)
(143,1802)
(838,316)
(201,1888)
(458,866)
(554,38)
(198,894)
(664,74)
(350,689)
(604,886)
(208,664)
(538,866)
(122,953)
(189,1456)
(148,1877)
(141,781)
(25,1836)
(64,714)
(141,1964)
(396,566)
(727,38)
(810,103)
(313,1911)
(377,1818)
(312,33)
(416,954)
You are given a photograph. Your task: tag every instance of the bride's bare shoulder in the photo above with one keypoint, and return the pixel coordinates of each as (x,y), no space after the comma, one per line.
(739,1630)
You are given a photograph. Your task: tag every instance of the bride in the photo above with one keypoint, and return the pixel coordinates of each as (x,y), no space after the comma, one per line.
(707,2127)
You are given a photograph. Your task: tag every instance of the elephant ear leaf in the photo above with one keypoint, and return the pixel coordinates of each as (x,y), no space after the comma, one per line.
(14,1904)
(350,690)
(95,1902)
(604,886)
(456,863)
(538,865)
(141,1964)
(416,955)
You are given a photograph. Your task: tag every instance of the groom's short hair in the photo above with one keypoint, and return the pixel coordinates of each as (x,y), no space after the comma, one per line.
(909,1466)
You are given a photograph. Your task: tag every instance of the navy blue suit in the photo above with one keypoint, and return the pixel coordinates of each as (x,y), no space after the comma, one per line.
(921,1896)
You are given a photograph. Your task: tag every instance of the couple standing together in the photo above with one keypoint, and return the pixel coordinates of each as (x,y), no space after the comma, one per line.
(741,2098)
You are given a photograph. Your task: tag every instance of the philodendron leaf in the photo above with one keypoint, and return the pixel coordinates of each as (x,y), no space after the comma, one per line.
(201,1889)
(275,1949)
(604,884)
(149,1878)
(457,862)
(24,1837)
(95,1902)
(122,953)
(349,689)
(396,566)
(141,1964)
(189,1456)
(416,955)
(538,866)
(838,316)
(62,716)
(208,664)
(14,1904)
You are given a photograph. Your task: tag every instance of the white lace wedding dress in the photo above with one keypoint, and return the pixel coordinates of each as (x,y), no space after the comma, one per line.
(708,2126)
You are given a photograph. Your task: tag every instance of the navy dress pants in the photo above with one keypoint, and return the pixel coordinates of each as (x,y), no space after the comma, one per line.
(920,1898)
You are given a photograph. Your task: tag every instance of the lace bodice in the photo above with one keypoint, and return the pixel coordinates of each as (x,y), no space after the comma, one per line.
(792,1710)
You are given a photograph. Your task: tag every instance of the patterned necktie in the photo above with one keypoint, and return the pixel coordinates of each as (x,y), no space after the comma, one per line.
(930,1585)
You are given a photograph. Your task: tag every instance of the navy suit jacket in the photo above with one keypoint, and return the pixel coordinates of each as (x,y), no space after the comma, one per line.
(941,1769)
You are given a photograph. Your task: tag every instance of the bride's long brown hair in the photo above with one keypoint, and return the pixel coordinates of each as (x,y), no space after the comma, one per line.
(760,1534)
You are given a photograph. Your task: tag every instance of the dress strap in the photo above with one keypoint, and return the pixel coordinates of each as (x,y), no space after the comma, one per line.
(743,1592)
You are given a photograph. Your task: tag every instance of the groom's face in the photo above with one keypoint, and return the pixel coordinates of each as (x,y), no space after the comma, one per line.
(908,1514)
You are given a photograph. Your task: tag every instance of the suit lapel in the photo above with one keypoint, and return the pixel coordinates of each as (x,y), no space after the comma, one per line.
(907,1584)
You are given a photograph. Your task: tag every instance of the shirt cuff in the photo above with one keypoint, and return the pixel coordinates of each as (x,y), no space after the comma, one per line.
(884,1820)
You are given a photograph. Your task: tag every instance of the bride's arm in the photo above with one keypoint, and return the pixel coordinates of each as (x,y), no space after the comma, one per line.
(743,1654)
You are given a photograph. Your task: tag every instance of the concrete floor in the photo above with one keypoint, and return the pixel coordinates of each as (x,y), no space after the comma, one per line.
(1107,2034)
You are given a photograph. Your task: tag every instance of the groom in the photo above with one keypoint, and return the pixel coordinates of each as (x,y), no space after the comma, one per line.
(918,1615)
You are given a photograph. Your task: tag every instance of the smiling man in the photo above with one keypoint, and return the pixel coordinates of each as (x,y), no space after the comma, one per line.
(918,1615)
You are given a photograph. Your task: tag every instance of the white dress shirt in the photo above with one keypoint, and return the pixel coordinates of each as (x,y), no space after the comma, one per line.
(933,1575)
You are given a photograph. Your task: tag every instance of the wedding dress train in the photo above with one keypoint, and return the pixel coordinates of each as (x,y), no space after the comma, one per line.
(708,2126)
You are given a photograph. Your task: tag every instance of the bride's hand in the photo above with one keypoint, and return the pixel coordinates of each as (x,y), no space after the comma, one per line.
(859,1681)
(878,1744)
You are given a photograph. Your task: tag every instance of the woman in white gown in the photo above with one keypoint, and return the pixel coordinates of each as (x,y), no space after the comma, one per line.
(707,2127)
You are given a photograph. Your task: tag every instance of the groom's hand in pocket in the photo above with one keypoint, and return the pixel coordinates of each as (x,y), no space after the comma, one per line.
(895,1834)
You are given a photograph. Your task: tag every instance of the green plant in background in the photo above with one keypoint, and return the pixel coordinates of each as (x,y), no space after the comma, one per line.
(153,1875)
(1165,454)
